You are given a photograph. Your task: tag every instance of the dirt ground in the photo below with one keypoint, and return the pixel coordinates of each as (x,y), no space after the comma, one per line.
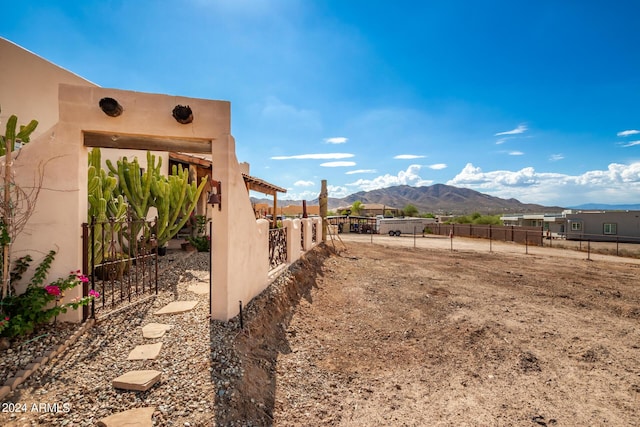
(389,334)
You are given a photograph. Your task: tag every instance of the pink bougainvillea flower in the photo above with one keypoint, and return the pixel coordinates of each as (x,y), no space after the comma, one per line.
(52,290)
(83,278)
(6,318)
(93,293)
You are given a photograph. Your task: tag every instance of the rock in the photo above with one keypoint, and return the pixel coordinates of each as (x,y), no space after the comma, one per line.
(137,380)
(176,307)
(145,352)
(155,330)
(139,417)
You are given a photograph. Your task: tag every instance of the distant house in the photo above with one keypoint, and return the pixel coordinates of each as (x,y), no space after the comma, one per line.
(373,209)
(265,209)
(555,224)
(605,226)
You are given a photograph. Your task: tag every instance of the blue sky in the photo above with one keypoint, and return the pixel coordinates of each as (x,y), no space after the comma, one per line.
(536,100)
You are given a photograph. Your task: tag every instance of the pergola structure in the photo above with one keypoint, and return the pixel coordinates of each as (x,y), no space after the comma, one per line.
(262,186)
(251,183)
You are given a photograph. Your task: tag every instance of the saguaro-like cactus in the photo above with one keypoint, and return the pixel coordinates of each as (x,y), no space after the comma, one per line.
(104,204)
(134,184)
(11,136)
(8,212)
(175,198)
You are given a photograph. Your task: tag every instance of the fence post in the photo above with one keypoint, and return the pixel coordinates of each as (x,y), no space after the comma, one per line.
(617,245)
(414,237)
(92,242)
(589,249)
(85,267)
(526,242)
(490,239)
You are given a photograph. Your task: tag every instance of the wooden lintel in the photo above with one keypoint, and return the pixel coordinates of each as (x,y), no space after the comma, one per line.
(192,160)
(151,143)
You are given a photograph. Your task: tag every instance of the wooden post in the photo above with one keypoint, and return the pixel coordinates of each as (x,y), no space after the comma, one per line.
(275,210)
(7,216)
(323,208)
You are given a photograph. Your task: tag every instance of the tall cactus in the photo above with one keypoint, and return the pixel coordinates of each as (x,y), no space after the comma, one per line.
(8,212)
(11,136)
(134,184)
(104,204)
(175,198)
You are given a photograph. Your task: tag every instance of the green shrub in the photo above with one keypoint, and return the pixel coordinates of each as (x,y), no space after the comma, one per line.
(22,314)
(201,243)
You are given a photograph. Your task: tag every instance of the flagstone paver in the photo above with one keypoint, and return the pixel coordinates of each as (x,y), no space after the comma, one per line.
(199,288)
(138,417)
(155,330)
(145,352)
(176,307)
(137,380)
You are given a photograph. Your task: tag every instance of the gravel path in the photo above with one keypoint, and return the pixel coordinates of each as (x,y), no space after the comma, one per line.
(197,362)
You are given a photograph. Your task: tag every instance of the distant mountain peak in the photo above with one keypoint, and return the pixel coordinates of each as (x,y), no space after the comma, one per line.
(437,199)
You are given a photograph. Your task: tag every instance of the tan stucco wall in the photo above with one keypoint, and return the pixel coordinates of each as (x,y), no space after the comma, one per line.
(62,204)
(29,86)
(67,108)
(237,234)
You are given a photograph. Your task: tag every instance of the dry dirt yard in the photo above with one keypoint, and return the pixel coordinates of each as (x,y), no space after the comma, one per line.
(377,334)
(388,335)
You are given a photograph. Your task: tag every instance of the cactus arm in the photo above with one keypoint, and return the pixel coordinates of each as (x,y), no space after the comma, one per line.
(26,131)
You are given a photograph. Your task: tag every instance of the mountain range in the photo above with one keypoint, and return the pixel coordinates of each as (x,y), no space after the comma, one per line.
(436,199)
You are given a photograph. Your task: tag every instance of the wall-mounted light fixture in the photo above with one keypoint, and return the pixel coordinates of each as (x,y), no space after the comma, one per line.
(215,198)
(111,107)
(183,114)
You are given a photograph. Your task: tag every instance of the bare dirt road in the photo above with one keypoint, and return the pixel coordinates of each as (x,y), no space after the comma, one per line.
(385,334)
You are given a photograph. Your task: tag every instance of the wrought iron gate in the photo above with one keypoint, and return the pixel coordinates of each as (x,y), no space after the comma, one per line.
(121,261)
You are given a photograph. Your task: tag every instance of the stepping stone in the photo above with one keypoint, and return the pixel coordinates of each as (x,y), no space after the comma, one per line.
(138,417)
(200,288)
(137,380)
(145,352)
(155,330)
(177,307)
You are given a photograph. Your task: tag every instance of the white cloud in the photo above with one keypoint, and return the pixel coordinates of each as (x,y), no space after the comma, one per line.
(556,157)
(631,144)
(628,132)
(303,183)
(361,171)
(516,153)
(408,156)
(501,141)
(520,129)
(407,177)
(336,140)
(337,164)
(438,166)
(318,156)
(301,195)
(337,191)
(618,184)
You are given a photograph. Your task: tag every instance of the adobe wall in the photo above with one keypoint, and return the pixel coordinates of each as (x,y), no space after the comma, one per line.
(62,205)
(29,87)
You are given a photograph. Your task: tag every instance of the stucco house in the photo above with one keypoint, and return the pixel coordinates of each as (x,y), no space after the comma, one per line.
(608,226)
(373,209)
(72,120)
(605,226)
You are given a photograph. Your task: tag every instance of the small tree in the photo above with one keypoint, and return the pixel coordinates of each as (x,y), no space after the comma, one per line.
(410,210)
(14,196)
(356,207)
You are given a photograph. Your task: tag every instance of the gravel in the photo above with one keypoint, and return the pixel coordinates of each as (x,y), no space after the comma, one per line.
(197,360)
